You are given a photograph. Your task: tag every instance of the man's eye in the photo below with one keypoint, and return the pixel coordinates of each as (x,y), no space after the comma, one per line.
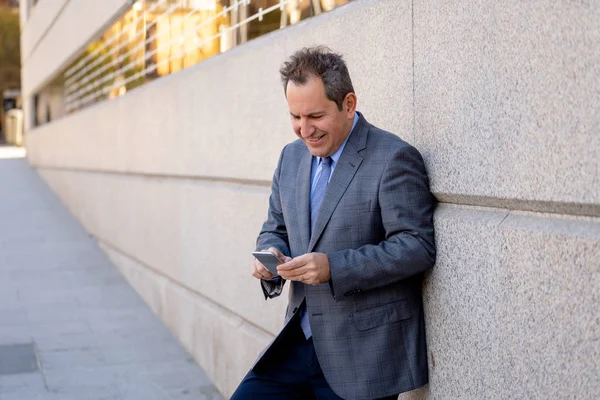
(317,116)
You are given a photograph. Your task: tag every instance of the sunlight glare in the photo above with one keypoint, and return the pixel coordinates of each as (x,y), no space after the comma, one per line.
(12,152)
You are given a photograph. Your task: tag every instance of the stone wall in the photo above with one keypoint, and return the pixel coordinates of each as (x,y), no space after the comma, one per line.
(502,100)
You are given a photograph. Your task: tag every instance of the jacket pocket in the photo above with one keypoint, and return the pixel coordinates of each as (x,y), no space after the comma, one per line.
(381,315)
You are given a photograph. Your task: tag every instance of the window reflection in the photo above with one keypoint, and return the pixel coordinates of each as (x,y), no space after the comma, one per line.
(155,38)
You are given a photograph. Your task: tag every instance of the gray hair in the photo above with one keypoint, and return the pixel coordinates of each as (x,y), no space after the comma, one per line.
(323,63)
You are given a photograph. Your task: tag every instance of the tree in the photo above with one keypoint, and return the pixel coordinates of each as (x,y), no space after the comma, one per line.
(10,52)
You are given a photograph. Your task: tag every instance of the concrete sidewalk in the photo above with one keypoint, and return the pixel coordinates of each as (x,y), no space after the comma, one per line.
(71,328)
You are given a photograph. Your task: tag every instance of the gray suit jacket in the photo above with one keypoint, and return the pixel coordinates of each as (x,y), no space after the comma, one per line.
(376,227)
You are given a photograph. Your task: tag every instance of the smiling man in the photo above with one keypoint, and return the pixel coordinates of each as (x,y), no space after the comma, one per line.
(351,219)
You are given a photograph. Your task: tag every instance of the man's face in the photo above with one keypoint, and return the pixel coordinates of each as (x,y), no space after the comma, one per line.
(316,119)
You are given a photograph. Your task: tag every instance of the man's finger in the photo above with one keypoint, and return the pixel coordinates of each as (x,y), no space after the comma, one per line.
(294,275)
(260,271)
(292,264)
(264,272)
(255,273)
(277,253)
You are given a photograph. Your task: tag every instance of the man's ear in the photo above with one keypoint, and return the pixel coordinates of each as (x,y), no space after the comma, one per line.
(349,106)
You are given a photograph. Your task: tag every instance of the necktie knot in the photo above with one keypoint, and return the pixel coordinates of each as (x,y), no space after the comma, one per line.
(326,161)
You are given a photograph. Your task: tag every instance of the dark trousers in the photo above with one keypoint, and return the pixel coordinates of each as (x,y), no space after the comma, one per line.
(290,371)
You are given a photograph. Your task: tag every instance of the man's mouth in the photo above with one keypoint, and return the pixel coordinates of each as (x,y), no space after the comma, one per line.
(316,138)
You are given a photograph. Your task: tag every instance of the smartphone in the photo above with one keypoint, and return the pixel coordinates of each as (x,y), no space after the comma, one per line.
(268,259)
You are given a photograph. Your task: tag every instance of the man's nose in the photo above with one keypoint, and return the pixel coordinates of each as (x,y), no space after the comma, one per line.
(306,129)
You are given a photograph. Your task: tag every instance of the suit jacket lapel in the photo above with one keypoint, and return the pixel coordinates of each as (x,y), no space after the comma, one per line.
(345,170)
(303,197)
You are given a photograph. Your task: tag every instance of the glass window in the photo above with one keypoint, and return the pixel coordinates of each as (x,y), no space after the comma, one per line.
(154,38)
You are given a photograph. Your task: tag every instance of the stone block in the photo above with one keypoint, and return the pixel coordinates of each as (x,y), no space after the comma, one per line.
(71,358)
(25,332)
(510,305)
(53,312)
(86,382)
(13,316)
(66,342)
(18,358)
(25,384)
(550,289)
(506,100)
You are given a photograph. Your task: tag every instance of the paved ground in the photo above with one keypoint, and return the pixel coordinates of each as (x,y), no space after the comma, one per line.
(71,328)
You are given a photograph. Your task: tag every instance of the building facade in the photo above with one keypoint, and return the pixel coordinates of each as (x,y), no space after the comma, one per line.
(164,150)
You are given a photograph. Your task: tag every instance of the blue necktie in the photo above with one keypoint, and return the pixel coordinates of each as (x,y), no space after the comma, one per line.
(316,198)
(318,192)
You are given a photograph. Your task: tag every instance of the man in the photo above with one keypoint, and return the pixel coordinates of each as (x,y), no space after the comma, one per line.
(351,217)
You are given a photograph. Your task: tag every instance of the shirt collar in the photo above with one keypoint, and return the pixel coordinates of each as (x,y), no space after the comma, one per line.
(336,156)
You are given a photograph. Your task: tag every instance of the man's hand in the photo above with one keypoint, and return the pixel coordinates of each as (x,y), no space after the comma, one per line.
(310,268)
(259,271)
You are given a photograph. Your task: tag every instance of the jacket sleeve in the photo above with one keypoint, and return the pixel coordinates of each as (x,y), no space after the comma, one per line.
(408,249)
(274,233)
